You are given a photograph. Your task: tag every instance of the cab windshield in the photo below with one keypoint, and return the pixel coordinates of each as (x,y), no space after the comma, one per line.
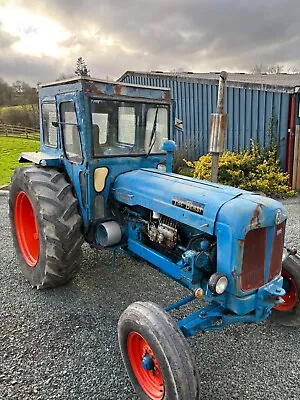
(128,128)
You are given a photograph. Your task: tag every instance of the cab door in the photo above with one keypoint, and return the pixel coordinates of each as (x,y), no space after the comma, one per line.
(72,133)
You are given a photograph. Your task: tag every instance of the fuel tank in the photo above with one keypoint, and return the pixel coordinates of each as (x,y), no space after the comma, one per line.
(194,202)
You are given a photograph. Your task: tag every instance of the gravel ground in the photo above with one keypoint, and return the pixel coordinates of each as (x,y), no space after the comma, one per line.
(62,343)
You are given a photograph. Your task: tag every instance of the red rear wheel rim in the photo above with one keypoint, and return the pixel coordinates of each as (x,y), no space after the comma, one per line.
(291,296)
(151,381)
(26,229)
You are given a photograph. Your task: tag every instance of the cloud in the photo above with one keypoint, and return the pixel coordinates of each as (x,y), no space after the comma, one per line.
(201,35)
(6,40)
(15,66)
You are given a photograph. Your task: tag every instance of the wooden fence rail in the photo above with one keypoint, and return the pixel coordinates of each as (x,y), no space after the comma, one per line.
(19,132)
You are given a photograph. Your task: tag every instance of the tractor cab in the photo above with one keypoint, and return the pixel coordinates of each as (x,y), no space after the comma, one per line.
(97,130)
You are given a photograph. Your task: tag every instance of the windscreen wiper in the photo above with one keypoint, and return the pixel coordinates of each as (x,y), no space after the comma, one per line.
(153,133)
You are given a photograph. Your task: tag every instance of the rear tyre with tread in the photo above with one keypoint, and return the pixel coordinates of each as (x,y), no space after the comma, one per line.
(156,354)
(45,225)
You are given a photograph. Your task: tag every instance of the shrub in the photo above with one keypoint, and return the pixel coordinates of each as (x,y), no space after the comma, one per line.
(257,169)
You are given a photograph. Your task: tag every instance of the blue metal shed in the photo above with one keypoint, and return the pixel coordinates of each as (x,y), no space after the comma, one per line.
(254,103)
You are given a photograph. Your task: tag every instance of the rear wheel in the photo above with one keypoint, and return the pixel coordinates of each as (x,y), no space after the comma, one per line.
(46,226)
(156,354)
(288,313)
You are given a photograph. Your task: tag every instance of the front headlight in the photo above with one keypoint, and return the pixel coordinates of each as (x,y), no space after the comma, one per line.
(218,283)
(162,167)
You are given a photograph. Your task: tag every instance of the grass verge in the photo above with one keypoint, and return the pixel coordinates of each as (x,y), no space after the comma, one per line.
(6,109)
(10,150)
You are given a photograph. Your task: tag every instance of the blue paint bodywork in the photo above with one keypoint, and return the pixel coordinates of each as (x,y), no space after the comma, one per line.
(134,189)
(154,195)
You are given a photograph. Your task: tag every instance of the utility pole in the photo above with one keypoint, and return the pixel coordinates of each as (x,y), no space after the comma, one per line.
(218,128)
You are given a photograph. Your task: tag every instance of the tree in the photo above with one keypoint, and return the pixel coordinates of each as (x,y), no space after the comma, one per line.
(6,94)
(63,77)
(81,67)
(259,69)
(293,70)
(19,94)
(275,69)
(24,94)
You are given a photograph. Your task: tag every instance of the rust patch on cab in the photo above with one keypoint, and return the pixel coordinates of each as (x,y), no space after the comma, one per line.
(93,89)
(118,90)
(167,96)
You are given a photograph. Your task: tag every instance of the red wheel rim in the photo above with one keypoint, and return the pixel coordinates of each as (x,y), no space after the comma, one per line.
(291,296)
(26,229)
(151,381)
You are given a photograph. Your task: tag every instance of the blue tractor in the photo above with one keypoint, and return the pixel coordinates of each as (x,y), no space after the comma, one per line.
(104,175)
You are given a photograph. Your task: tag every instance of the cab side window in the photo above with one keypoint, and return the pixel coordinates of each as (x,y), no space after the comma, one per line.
(48,117)
(70,132)
(126,125)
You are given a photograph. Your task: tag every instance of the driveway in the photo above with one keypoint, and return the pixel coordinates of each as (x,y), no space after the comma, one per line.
(62,343)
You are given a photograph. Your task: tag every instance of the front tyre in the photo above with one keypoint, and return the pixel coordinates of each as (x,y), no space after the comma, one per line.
(45,225)
(288,313)
(156,354)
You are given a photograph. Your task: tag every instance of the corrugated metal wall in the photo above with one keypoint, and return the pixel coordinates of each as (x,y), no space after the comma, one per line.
(249,113)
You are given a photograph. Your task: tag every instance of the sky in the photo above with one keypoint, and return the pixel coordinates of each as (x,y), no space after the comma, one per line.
(41,39)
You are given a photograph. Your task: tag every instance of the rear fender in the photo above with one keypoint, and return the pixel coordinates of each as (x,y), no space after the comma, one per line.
(42,159)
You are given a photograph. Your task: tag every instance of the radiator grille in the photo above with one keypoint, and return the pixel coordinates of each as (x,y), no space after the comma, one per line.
(254,259)
(277,248)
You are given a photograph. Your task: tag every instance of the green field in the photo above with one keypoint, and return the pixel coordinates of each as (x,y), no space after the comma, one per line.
(10,150)
(5,109)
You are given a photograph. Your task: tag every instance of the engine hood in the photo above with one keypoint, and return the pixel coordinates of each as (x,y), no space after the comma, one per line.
(190,201)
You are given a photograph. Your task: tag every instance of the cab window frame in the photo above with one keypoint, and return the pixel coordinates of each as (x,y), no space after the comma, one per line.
(158,103)
(78,158)
(46,131)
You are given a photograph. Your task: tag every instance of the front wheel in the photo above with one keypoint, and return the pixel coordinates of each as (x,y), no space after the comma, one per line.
(288,313)
(156,354)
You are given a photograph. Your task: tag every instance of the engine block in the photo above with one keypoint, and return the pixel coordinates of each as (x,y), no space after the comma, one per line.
(163,230)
